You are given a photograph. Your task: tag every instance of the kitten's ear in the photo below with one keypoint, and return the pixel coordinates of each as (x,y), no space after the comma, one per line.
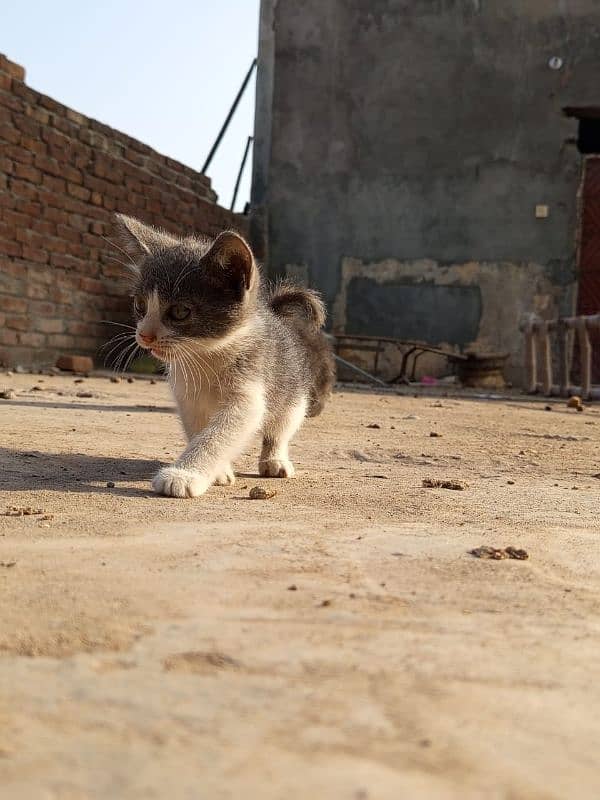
(139,239)
(233,253)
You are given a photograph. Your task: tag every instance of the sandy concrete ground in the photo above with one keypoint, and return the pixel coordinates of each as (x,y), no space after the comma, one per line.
(336,641)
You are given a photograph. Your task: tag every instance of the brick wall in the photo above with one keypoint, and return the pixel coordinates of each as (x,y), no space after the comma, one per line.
(62,177)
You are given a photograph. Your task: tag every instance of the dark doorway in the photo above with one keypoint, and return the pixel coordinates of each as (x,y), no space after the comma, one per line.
(588,298)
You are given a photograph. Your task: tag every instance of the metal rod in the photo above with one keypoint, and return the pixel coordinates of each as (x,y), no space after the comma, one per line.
(239,176)
(228,118)
(360,371)
(545,351)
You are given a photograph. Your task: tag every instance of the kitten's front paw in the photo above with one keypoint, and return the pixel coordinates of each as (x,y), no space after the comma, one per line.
(276,468)
(178,482)
(225,478)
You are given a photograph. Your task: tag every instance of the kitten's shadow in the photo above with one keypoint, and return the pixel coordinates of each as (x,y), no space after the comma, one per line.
(74,472)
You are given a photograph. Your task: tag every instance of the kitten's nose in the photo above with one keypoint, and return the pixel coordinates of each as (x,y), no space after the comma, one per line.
(147,339)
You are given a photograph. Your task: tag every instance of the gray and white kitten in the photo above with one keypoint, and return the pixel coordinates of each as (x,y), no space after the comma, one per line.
(241,360)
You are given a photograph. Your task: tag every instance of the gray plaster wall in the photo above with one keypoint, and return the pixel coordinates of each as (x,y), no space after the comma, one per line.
(404,133)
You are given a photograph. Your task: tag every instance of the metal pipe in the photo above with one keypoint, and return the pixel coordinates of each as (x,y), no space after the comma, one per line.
(360,371)
(228,118)
(239,176)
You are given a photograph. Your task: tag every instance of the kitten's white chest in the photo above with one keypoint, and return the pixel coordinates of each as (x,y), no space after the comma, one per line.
(196,404)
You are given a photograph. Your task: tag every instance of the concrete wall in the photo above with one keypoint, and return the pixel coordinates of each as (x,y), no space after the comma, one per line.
(409,144)
(62,177)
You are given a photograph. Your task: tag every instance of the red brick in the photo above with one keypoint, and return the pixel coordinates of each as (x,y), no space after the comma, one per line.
(27,236)
(9,134)
(54,184)
(15,219)
(8,337)
(11,68)
(28,173)
(92,285)
(68,233)
(27,126)
(41,226)
(75,363)
(39,114)
(28,94)
(23,189)
(48,165)
(34,145)
(32,339)
(64,261)
(10,248)
(49,325)
(55,215)
(36,291)
(15,305)
(34,254)
(43,309)
(17,323)
(80,192)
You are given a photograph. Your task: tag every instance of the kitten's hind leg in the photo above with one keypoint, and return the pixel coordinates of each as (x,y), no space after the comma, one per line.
(274,459)
(225,477)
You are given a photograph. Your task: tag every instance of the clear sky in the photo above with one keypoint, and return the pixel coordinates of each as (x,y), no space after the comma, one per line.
(162,71)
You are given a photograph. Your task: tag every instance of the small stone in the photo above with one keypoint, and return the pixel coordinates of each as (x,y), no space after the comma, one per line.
(325,603)
(7,394)
(547,408)
(435,435)
(374,425)
(84,394)
(260,493)
(511,483)
(129,380)
(110,485)
(78,380)
(575,402)
(292,588)
(115,379)
(7,563)
(152,382)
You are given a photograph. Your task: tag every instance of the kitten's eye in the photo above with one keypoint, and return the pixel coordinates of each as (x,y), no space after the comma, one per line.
(139,305)
(179,312)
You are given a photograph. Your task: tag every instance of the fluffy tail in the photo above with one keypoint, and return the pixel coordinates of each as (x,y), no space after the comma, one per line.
(304,309)
(298,304)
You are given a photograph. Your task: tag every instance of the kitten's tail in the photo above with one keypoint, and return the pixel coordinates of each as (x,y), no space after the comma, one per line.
(298,304)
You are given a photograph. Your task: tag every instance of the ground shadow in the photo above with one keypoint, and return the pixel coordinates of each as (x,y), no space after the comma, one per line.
(24,470)
(73,405)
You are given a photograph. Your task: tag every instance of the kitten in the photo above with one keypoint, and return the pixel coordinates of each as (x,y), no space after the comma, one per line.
(241,360)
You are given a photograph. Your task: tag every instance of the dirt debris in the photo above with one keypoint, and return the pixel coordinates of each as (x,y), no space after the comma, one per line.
(260,493)
(7,394)
(499,553)
(434,483)
(22,511)
(575,402)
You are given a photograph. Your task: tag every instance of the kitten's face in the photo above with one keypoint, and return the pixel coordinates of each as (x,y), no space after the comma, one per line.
(189,292)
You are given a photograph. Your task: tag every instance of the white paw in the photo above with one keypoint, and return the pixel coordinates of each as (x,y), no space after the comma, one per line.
(178,482)
(276,468)
(225,477)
